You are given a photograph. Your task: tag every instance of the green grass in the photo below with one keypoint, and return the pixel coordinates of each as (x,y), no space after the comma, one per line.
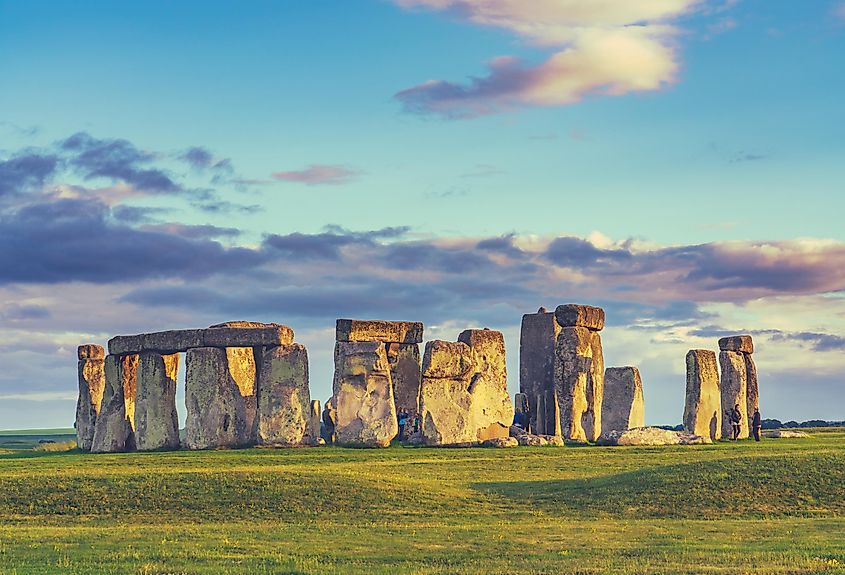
(773,507)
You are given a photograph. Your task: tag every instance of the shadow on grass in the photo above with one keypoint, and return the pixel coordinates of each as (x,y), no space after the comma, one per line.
(811,485)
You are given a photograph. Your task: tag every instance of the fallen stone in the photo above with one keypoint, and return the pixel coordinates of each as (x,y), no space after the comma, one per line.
(703,405)
(574,315)
(531,440)
(516,431)
(647,436)
(579,382)
(92,383)
(363,395)
(216,412)
(114,431)
(378,330)
(538,335)
(405,373)
(740,343)
(284,399)
(785,434)
(622,405)
(500,442)
(733,386)
(156,419)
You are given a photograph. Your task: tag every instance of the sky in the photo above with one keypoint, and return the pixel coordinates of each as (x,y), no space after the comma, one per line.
(680,163)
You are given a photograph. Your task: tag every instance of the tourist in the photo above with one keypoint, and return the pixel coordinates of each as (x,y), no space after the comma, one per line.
(417,422)
(756,424)
(403,420)
(736,416)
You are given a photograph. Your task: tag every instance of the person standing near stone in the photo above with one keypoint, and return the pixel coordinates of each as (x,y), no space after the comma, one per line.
(756,424)
(735,416)
(403,421)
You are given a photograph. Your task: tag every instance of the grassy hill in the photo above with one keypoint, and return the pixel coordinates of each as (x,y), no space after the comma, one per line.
(773,507)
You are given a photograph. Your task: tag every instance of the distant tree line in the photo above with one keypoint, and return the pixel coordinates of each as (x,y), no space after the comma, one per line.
(777,424)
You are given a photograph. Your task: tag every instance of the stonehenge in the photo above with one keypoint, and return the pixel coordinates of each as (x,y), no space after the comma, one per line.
(623,407)
(703,406)
(464,399)
(247,384)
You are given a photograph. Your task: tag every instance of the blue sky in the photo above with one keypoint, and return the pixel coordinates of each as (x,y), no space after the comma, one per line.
(679,162)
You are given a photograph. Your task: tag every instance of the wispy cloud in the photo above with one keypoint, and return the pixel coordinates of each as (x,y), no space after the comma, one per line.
(320,175)
(601,48)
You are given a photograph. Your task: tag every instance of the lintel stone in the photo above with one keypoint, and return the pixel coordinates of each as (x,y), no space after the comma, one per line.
(379,330)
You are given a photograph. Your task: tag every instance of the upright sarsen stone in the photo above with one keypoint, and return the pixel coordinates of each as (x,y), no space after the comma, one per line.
(216,407)
(363,395)
(156,419)
(579,382)
(92,383)
(623,406)
(733,387)
(115,429)
(492,410)
(537,369)
(405,373)
(753,395)
(703,406)
(284,398)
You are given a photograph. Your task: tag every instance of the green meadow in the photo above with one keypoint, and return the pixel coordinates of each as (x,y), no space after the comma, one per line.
(772,507)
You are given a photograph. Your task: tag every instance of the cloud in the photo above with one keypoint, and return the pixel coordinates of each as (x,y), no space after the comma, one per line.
(741,157)
(200,158)
(320,175)
(597,48)
(25,171)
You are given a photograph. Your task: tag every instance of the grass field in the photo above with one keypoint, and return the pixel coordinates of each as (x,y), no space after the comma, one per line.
(773,507)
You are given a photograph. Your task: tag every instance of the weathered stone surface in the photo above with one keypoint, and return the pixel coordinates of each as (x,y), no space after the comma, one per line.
(314,423)
(90,351)
(579,382)
(378,330)
(741,343)
(244,370)
(464,397)
(703,406)
(753,391)
(531,440)
(733,386)
(115,431)
(491,405)
(785,434)
(174,341)
(575,315)
(329,422)
(156,420)
(92,384)
(622,407)
(405,373)
(447,359)
(242,323)
(500,442)
(537,369)
(284,397)
(216,413)
(363,395)
(648,436)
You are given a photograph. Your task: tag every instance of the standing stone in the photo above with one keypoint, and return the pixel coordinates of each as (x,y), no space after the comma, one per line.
(703,406)
(537,368)
(623,406)
(329,421)
(115,431)
(492,409)
(579,382)
(216,412)
(363,395)
(314,422)
(464,397)
(405,373)
(92,383)
(156,420)
(753,395)
(734,391)
(242,366)
(284,398)
(520,400)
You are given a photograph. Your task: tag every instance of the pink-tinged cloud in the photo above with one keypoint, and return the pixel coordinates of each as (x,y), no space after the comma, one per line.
(320,175)
(599,47)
